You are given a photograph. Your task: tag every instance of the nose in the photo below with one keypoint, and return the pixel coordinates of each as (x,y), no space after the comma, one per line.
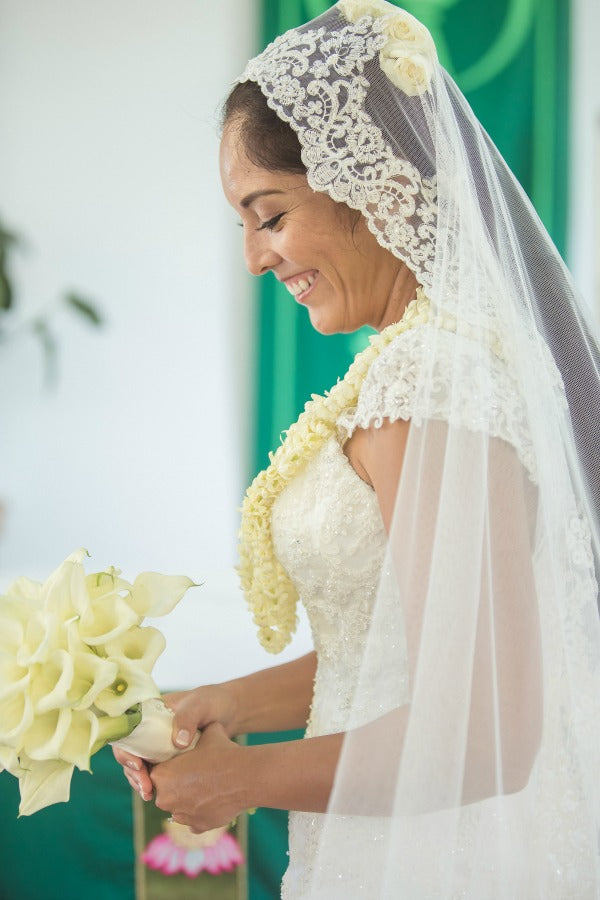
(259,254)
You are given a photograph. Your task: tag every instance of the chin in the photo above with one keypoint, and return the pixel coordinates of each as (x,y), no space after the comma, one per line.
(324,324)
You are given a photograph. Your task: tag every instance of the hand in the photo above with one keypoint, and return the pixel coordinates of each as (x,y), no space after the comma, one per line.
(203,788)
(194,710)
(136,771)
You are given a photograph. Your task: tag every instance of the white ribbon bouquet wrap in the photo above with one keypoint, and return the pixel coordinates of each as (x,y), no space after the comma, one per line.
(75,674)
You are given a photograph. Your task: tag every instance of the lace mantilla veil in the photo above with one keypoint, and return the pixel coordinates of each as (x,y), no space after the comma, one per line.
(473,748)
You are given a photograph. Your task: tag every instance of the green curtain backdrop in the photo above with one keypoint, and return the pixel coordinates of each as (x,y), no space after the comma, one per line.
(511,59)
(83,848)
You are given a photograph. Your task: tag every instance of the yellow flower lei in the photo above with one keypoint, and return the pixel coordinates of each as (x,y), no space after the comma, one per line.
(269,591)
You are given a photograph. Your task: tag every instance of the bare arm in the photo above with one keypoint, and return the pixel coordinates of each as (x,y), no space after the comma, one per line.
(274,699)
(509,667)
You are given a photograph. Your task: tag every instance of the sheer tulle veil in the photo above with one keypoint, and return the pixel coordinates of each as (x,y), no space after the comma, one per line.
(473,740)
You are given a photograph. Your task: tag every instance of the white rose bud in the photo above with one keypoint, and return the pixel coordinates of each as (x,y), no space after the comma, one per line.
(411,73)
(353,10)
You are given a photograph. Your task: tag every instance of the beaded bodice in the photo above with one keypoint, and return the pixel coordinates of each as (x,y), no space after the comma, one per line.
(329,535)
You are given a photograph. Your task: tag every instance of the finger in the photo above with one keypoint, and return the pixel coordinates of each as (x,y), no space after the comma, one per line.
(182,819)
(137,787)
(128,760)
(143,780)
(139,781)
(161,804)
(184,728)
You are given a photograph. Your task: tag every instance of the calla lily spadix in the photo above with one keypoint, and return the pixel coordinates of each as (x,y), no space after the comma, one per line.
(75,673)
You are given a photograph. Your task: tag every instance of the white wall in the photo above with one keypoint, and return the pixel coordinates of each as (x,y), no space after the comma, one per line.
(109,168)
(584,230)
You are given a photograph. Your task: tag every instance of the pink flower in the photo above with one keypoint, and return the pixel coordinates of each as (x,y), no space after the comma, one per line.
(165,855)
(223,856)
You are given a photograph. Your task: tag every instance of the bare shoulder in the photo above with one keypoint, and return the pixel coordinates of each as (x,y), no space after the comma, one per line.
(377,453)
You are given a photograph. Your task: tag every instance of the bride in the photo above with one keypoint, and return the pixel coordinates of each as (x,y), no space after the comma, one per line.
(436,512)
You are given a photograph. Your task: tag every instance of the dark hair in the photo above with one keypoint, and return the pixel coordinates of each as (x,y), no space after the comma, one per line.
(268,141)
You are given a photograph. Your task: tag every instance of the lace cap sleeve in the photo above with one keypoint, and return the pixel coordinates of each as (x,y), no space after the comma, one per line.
(431,373)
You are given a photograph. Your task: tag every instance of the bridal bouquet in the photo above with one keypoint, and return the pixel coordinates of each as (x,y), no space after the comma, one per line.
(75,674)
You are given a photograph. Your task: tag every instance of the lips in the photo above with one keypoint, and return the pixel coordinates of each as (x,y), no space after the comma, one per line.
(299,285)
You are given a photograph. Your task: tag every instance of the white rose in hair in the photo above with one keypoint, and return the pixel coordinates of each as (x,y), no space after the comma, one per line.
(353,10)
(410,72)
(408,30)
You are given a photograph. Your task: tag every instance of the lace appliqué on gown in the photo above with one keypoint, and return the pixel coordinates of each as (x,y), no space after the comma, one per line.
(409,380)
(344,150)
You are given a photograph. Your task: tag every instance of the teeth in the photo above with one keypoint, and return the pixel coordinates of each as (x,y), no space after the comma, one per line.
(298,287)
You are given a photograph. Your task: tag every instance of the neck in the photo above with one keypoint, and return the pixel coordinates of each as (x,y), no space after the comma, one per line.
(403,290)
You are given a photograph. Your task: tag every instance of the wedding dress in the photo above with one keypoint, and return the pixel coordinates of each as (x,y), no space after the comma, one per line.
(329,534)
(460,652)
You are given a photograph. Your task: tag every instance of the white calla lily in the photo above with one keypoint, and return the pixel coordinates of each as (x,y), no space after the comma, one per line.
(9,761)
(51,682)
(141,646)
(43,740)
(16,716)
(14,678)
(24,592)
(39,639)
(74,670)
(92,674)
(101,584)
(154,594)
(132,685)
(44,783)
(105,619)
(81,737)
(65,591)
(12,635)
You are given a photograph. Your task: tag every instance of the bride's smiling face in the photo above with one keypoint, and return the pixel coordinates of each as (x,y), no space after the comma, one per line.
(323,253)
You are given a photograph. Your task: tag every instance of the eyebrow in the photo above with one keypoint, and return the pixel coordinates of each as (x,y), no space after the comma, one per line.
(250,198)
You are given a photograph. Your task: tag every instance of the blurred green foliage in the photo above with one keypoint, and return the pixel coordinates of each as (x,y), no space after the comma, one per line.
(13,326)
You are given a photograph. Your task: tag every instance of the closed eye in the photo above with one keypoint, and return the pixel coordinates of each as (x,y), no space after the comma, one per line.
(270,224)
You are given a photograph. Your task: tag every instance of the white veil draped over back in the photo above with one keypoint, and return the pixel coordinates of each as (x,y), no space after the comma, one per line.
(473,742)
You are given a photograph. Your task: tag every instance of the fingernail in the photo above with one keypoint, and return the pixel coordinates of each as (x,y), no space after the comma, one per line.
(133,765)
(183,737)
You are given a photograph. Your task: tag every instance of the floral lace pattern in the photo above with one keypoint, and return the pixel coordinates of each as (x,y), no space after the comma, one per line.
(314,79)
(409,380)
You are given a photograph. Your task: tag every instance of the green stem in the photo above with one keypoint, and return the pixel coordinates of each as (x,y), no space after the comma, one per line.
(113,728)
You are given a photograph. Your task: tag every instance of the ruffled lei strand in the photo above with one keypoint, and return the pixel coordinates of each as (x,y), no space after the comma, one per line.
(269,592)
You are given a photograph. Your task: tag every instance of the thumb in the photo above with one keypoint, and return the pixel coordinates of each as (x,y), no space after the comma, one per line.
(184,729)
